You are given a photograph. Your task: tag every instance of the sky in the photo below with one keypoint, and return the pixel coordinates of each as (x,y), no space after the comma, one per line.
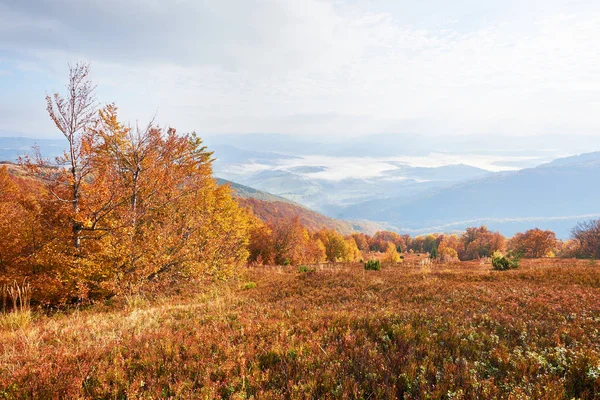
(336,68)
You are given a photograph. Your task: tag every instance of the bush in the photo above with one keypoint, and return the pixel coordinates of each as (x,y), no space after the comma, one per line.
(303,269)
(249,285)
(504,263)
(434,253)
(373,265)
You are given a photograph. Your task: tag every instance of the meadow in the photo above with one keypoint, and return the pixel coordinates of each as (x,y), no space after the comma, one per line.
(412,331)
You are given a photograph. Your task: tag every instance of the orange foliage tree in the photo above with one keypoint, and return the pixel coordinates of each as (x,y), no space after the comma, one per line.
(448,248)
(534,243)
(382,238)
(481,242)
(284,241)
(124,205)
(361,240)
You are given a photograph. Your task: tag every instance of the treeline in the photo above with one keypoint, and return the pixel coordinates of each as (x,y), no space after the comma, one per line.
(287,242)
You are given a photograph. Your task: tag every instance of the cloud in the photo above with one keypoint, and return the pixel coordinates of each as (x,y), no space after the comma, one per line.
(326,67)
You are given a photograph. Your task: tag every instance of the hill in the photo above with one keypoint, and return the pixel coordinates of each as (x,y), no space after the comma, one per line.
(270,208)
(246,192)
(552,196)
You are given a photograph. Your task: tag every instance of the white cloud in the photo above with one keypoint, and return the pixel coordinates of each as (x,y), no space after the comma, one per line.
(328,67)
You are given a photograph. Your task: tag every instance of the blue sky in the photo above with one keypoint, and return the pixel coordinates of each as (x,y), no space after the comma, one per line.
(312,67)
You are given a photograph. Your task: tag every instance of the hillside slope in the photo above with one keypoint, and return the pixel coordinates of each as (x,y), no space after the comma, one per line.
(270,208)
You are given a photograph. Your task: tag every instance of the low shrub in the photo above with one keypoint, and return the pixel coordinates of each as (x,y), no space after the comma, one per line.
(504,263)
(303,269)
(249,285)
(373,265)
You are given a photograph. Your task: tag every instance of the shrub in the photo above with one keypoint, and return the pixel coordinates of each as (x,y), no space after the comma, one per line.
(582,379)
(287,262)
(504,263)
(373,265)
(249,285)
(434,253)
(303,269)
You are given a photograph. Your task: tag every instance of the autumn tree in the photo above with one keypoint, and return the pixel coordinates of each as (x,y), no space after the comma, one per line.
(391,254)
(20,236)
(587,236)
(260,244)
(534,243)
(288,239)
(481,242)
(382,238)
(335,244)
(315,250)
(407,241)
(448,248)
(170,211)
(284,241)
(351,251)
(361,240)
(11,245)
(570,249)
(27,237)
(73,115)
(129,204)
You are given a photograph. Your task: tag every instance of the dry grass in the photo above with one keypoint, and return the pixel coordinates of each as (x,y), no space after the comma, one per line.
(453,331)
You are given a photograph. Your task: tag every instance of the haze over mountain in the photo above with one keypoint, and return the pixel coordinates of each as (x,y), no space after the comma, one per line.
(413,194)
(553,196)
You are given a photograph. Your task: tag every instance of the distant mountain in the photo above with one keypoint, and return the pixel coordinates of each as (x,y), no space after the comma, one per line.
(446,173)
(310,184)
(13,147)
(270,208)
(579,159)
(408,143)
(552,196)
(231,154)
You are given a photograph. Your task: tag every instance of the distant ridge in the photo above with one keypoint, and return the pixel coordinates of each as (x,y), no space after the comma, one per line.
(11,147)
(553,196)
(246,192)
(271,208)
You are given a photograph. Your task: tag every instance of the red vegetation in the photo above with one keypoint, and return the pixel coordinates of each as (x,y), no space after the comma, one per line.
(460,331)
(272,211)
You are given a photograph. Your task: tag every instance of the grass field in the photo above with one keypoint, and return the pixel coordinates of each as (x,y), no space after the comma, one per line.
(452,331)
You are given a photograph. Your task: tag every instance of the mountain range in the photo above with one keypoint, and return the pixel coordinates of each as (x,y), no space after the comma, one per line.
(441,192)
(553,196)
